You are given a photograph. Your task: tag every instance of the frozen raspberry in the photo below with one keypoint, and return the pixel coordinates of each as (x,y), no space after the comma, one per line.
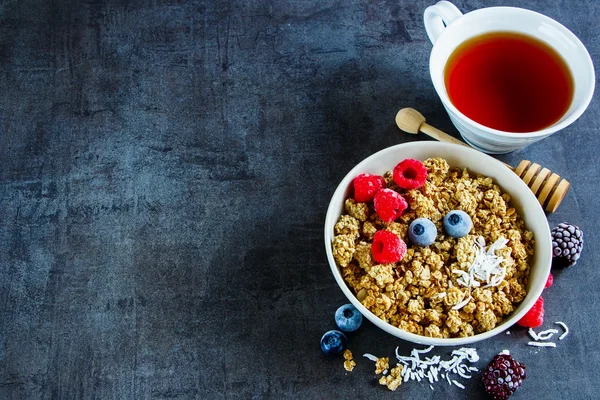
(410,174)
(387,247)
(503,376)
(365,187)
(534,317)
(389,204)
(549,281)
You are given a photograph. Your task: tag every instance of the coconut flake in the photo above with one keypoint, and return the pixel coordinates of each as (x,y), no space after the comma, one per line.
(427,350)
(462,303)
(533,335)
(458,384)
(565,327)
(461,372)
(547,334)
(542,344)
(371,357)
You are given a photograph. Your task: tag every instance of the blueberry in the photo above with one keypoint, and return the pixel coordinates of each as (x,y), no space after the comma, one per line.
(422,232)
(347,318)
(333,342)
(457,223)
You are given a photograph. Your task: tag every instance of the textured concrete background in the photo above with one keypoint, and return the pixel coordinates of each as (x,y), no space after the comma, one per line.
(165,168)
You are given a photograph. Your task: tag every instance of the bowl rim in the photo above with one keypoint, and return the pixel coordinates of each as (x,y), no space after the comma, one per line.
(543,259)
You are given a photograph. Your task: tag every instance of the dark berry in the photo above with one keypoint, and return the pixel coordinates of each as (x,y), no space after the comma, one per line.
(365,187)
(389,204)
(535,316)
(348,318)
(333,342)
(410,174)
(567,244)
(503,376)
(387,247)
(422,232)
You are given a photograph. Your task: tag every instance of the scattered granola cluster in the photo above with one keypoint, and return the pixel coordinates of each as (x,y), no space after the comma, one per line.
(423,293)
(393,380)
(349,363)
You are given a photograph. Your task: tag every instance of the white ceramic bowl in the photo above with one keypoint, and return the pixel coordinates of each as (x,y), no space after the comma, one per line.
(457,156)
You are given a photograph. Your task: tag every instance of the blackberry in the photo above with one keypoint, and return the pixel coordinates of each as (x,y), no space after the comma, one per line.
(503,376)
(567,243)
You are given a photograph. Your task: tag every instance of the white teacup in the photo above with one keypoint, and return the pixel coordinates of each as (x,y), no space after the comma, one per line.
(447,28)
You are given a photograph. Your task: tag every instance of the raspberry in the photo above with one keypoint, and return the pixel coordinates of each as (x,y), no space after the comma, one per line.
(365,187)
(549,281)
(534,317)
(410,174)
(387,247)
(503,376)
(389,204)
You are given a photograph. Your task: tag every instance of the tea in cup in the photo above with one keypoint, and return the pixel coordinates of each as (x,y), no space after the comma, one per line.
(507,76)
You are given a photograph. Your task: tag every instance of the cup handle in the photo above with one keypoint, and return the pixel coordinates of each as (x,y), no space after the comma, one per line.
(438,16)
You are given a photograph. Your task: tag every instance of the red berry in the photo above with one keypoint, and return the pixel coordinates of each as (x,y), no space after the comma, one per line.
(389,204)
(550,281)
(365,187)
(387,247)
(534,317)
(503,376)
(410,174)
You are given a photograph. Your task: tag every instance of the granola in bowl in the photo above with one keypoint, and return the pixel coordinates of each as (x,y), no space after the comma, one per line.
(434,291)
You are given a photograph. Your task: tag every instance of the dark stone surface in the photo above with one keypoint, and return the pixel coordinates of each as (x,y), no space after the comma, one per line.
(165,168)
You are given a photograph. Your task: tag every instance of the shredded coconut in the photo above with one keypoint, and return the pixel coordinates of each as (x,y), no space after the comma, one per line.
(458,384)
(547,334)
(565,327)
(370,357)
(487,266)
(462,303)
(533,335)
(429,368)
(542,344)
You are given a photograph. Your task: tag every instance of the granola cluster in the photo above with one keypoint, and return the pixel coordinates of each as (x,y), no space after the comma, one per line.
(420,293)
(349,363)
(393,379)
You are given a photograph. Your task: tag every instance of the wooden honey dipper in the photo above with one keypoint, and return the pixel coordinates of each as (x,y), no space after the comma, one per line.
(548,187)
